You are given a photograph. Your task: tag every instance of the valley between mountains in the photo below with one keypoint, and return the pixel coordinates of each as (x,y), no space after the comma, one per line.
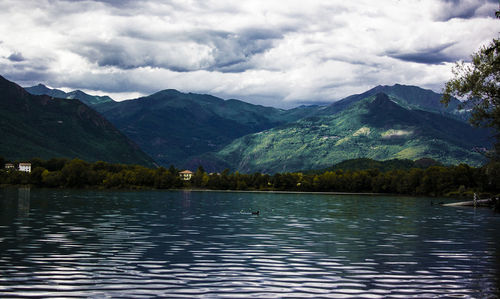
(188,130)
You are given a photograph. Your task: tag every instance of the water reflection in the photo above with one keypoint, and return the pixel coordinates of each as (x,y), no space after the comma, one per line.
(194,244)
(23,202)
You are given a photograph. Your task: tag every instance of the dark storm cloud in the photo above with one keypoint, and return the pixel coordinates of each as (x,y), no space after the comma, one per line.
(234,53)
(16,57)
(120,54)
(115,3)
(466,9)
(22,73)
(19,76)
(209,49)
(122,8)
(273,52)
(433,55)
(119,83)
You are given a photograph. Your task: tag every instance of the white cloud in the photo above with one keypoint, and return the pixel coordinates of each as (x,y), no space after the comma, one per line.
(269,52)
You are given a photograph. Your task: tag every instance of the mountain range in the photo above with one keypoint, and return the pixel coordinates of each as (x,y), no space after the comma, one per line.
(176,128)
(375,127)
(409,97)
(87,99)
(46,127)
(386,122)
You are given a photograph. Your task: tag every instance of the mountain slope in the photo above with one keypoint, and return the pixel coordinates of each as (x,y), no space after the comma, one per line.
(175,128)
(410,97)
(89,100)
(375,127)
(47,127)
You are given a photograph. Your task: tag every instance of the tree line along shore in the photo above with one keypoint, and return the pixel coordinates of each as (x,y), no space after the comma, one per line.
(457,181)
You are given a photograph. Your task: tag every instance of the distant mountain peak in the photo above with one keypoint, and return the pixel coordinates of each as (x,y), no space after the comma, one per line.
(43,87)
(406,96)
(398,86)
(169,91)
(90,100)
(383,104)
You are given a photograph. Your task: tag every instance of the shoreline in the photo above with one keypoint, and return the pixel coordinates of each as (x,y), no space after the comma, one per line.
(6,186)
(291,192)
(210,190)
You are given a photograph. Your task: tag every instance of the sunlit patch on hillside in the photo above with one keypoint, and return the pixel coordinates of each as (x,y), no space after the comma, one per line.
(411,152)
(396,133)
(364,131)
(342,140)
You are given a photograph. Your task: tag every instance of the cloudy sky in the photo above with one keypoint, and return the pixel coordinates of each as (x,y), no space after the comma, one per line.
(278,53)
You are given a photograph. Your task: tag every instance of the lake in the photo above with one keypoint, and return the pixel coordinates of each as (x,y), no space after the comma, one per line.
(101,244)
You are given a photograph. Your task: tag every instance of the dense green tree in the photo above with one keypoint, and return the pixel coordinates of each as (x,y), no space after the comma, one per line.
(288,181)
(326,182)
(55,164)
(463,175)
(100,165)
(381,183)
(160,182)
(414,177)
(37,162)
(53,178)
(434,181)
(76,173)
(144,176)
(214,182)
(173,170)
(12,177)
(478,83)
(198,178)
(491,177)
(114,180)
(224,181)
(36,175)
(242,181)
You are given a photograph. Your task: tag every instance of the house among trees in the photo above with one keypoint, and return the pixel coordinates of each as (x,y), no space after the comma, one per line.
(26,167)
(23,166)
(186,175)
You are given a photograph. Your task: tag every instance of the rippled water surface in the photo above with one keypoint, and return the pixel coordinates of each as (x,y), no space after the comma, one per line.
(208,244)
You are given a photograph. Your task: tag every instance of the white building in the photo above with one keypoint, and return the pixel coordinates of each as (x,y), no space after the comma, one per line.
(26,167)
(186,175)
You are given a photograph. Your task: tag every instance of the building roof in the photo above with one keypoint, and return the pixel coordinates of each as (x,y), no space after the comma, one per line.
(186,172)
(24,164)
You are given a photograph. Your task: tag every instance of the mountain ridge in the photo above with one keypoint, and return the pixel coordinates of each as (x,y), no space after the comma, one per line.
(47,127)
(409,96)
(89,100)
(175,127)
(189,129)
(375,127)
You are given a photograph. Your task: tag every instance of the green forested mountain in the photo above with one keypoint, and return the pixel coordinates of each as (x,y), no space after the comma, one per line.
(386,122)
(176,128)
(410,97)
(90,100)
(378,126)
(47,127)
